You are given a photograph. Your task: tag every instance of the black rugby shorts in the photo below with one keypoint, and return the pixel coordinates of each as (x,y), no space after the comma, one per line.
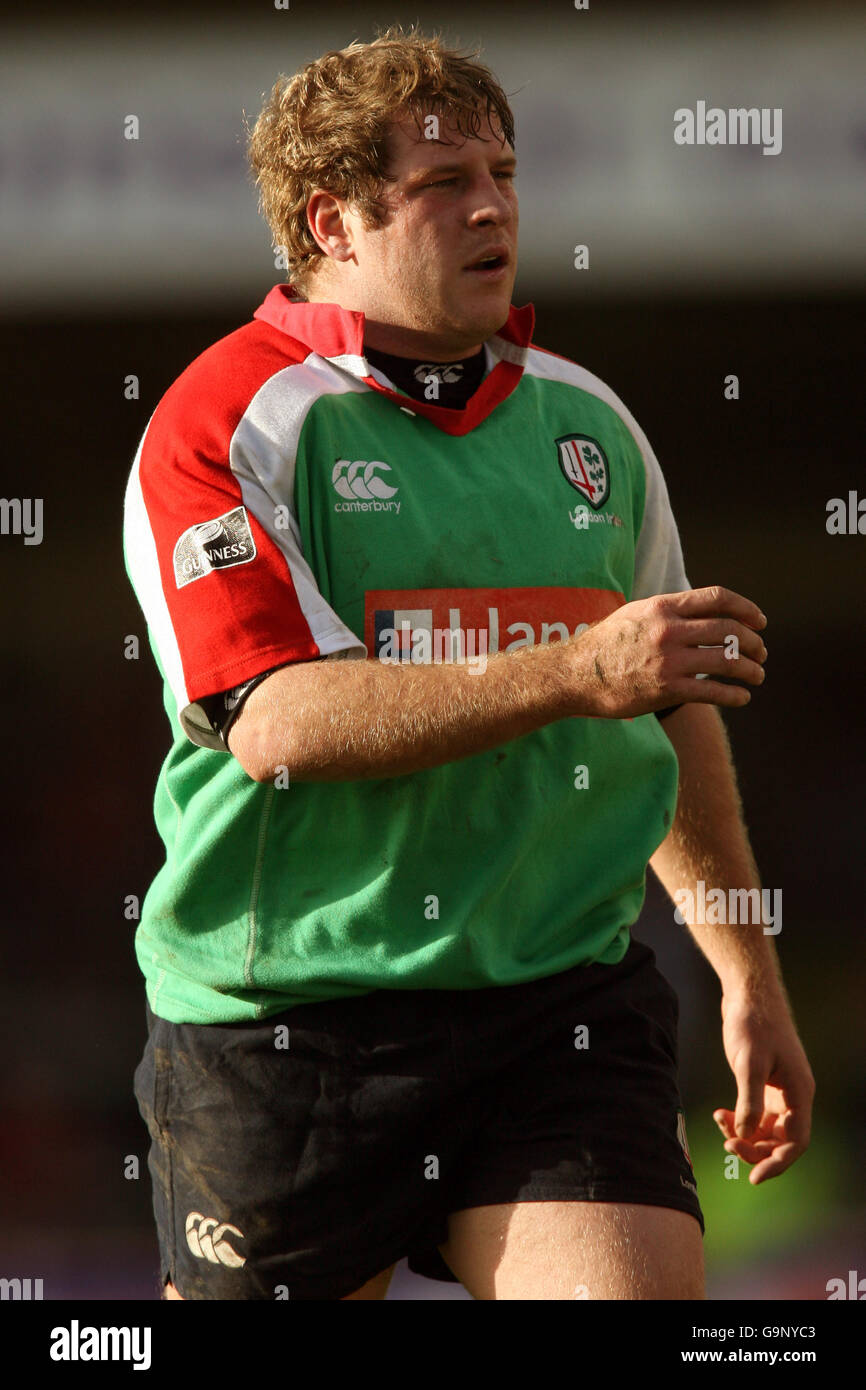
(301,1171)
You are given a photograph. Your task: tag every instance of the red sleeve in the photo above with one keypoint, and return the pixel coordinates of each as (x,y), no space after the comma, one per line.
(226,593)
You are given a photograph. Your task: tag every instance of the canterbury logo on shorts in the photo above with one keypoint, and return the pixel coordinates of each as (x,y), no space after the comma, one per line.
(213,1247)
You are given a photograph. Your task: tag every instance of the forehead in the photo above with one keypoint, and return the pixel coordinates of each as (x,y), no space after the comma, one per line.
(411,148)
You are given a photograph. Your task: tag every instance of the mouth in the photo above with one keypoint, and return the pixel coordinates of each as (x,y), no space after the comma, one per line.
(493,266)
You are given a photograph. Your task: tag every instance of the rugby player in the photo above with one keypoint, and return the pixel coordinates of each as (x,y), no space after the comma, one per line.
(394,1005)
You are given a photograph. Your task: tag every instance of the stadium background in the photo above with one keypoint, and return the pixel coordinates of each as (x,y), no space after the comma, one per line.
(129,257)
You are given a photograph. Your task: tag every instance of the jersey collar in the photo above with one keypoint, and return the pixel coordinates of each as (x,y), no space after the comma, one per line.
(337,334)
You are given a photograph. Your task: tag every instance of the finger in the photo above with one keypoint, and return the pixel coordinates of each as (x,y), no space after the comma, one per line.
(798,1125)
(773,1128)
(717,632)
(690,691)
(714,601)
(716,662)
(751,1151)
(750,1097)
(766,1134)
(772,1167)
(798,1098)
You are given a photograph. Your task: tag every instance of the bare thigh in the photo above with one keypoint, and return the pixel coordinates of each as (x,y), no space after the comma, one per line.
(559,1250)
(377,1287)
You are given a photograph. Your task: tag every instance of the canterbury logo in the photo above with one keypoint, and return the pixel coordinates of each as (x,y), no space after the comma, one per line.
(212,1247)
(359,479)
(442,371)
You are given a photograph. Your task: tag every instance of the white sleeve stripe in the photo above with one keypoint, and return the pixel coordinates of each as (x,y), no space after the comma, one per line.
(262,455)
(143,563)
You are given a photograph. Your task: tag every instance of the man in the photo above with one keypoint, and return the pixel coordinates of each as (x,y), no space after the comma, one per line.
(394,1005)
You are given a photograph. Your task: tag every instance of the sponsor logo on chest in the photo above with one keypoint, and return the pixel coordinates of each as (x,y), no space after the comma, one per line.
(424,625)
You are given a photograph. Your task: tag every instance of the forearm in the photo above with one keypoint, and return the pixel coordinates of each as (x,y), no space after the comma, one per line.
(339,721)
(327,721)
(708,841)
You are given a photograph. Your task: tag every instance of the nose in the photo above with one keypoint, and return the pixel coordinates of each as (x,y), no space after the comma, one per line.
(491,204)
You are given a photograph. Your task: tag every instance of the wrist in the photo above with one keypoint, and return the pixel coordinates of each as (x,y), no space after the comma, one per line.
(584,684)
(744,984)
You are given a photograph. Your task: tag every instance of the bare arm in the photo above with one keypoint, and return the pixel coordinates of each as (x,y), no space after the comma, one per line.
(327,721)
(771,1124)
(708,841)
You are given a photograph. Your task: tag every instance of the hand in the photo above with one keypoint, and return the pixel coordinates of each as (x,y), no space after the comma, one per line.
(647,654)
(775,1086)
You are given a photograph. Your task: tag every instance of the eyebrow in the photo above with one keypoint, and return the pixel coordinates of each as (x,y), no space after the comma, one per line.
(509,160)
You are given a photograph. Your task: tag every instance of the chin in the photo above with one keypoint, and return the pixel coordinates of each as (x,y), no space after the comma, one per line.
(486,320)
(486,326)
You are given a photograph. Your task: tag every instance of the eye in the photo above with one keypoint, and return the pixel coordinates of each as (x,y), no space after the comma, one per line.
(443,183)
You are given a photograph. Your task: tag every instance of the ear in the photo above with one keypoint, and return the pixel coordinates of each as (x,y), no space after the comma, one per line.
(327,218)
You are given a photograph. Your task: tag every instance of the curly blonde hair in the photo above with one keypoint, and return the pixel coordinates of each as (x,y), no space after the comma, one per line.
(328,125)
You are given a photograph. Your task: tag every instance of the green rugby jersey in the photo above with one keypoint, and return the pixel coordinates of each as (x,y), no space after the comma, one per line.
(286,503)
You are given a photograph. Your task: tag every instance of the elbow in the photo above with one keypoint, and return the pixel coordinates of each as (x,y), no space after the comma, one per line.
(259,771)
(251,744)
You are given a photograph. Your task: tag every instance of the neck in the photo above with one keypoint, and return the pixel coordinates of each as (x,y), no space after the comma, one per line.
(415,356)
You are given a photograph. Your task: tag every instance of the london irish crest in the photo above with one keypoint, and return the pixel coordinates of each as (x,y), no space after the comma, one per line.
(583,462)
